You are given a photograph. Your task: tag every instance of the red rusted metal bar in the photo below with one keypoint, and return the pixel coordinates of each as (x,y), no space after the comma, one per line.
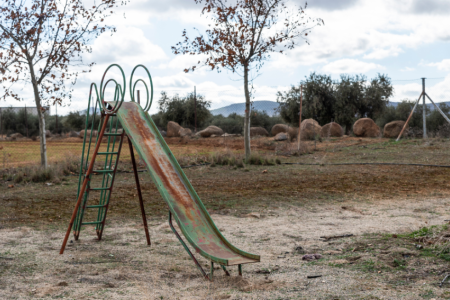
(138,187)
(186,247)
(85,182)
(410,115)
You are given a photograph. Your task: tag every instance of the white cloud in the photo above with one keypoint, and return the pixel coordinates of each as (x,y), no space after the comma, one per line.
(128,46)
(350,66)
(383,53)
(407,69)
(443,65)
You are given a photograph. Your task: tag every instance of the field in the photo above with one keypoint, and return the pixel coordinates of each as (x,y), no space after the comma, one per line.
(392,218)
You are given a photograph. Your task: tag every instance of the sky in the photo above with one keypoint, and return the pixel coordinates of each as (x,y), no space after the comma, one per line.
(405,39)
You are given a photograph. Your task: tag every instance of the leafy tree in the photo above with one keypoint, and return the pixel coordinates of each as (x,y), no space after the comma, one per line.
(262,119)
(435,119)
(21,122)
(376,97)
(342,101)
(233,124)
(182,110)
(349,98)
(41,45)
(242,35)
(74,121)
(318,100)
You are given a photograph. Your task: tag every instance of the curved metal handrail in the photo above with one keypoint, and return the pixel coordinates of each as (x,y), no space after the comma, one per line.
(119,94)
(149,101)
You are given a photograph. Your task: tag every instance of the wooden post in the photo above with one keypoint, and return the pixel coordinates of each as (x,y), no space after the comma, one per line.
(195,109)
(410,115)
(300,119)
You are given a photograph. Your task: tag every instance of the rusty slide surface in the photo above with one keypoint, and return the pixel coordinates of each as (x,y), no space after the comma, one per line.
(184,203)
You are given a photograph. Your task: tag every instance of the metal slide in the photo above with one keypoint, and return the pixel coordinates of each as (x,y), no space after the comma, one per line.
(184,203)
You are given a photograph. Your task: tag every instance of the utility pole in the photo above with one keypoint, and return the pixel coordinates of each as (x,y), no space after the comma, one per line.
(195,109)
(424,110)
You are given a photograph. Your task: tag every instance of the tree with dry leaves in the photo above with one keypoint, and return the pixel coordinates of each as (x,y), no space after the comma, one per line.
(42,43)
(242,35)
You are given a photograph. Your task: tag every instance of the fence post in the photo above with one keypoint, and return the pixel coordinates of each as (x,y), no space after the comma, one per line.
(300,119)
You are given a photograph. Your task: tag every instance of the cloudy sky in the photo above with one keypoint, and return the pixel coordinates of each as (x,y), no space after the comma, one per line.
(406,39)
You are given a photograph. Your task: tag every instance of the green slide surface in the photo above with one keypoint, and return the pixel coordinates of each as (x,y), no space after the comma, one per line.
(184,203)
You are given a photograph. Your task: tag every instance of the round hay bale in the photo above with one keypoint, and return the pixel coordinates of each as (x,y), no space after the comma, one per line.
(210,130)
(392,129)
(309,129)
(277,128)
(173,129)
(366,127)
(332,130)
(258,131)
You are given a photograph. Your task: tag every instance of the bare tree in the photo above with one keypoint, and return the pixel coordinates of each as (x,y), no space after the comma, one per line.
(242,35)
(42,43)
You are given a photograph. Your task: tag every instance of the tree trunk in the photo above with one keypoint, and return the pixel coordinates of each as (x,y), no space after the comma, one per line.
(247,116)
(41,116)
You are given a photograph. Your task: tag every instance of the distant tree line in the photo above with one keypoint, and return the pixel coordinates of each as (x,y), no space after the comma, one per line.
(181,110)
(28,124)
(343,101)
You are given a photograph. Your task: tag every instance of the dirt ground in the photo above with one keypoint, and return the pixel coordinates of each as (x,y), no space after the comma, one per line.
(122,267)
(384,208)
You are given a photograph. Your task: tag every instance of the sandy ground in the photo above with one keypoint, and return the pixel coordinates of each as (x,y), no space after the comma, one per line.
(123,267)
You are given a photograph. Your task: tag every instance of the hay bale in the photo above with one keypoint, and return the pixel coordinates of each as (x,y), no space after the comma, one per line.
(210,130)
(392,129)
(173,129)
(332,130)
(258,131)
(310,129)
(277,128)
(366,127)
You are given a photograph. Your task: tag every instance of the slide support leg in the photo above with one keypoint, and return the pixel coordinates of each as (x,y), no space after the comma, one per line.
(211,272)
(225,270)
(138,188)
(186,247)
(240,270)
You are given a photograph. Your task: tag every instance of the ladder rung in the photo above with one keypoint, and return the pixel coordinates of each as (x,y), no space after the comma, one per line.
(100,189)
(106,153)
(103,171)
(96,206)
(112,134)
(91,223)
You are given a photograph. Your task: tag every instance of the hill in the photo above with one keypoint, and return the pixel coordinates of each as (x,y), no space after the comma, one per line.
(239,108)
